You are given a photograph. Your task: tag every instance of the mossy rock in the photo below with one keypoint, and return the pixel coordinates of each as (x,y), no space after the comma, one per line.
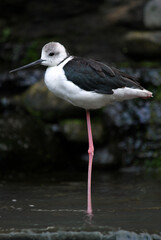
(40,102)
(151,14)
(143,45)
(26,144)
(76,130)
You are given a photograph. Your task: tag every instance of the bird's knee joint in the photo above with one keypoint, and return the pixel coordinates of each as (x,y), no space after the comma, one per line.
(91,151)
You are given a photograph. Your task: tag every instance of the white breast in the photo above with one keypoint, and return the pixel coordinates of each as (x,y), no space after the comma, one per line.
(55,80)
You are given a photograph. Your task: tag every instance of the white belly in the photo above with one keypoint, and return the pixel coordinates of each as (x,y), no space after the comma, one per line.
(57,83)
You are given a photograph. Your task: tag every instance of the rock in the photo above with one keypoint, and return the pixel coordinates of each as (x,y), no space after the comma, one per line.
(127,126)
(76,130)
(127,114)
(27,144)
(19,82)
(79,235)
(39,101)
(151,77)
(143,45)
(126,13)
(152,16)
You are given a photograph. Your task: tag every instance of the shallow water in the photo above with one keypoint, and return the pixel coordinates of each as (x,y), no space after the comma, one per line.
(129,201)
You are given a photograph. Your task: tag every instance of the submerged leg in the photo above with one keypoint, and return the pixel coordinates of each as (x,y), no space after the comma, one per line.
(91,153)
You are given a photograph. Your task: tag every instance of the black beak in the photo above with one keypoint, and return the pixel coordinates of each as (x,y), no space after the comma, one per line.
(28,65)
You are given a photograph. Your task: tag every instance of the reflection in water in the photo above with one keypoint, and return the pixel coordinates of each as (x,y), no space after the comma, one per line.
(88,219)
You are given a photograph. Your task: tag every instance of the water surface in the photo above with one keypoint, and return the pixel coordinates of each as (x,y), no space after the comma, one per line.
(129,201)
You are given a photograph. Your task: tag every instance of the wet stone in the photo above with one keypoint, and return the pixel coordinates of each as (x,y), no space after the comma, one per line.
(16,83)
(120,235)
(24,138)
(39,101)
(76,130)
(152,17)
(143,44)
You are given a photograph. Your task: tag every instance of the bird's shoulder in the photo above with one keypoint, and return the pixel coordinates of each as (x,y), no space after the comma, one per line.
(84,65)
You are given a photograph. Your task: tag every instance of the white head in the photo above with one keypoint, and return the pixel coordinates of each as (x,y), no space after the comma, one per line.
(51,55)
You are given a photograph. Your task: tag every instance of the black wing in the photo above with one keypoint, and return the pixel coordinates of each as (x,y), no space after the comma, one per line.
(95,76)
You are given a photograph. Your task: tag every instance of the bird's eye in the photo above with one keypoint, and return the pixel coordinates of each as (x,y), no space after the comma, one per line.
(51,54)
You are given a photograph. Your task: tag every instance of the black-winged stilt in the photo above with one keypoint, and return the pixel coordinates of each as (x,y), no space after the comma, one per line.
(87,84)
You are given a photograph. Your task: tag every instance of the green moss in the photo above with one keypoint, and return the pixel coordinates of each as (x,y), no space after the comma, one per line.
(158,93)
(72,121)
(32,53)
(5,34)
(74,129)
(32,111)
(147,64)
(154,163)
(124,64)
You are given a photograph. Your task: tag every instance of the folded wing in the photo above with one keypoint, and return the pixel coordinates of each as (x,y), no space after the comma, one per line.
(95,76)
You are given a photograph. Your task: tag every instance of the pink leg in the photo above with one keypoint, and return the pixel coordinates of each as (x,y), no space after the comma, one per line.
(91,154)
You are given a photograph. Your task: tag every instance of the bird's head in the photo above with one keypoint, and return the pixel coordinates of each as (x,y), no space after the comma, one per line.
(51,55)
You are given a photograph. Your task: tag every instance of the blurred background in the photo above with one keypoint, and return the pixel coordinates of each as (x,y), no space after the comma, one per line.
(41,133)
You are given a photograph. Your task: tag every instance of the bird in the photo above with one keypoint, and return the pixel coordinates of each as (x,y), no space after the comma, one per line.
(87,84)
